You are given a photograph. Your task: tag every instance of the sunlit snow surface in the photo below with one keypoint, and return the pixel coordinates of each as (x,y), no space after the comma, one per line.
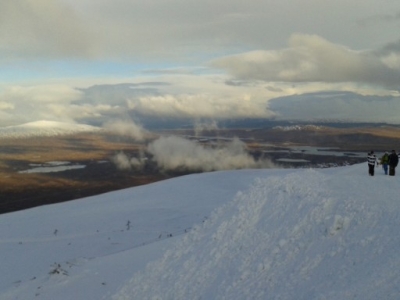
(251,234)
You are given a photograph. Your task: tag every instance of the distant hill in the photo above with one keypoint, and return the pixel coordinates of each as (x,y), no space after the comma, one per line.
(44,128)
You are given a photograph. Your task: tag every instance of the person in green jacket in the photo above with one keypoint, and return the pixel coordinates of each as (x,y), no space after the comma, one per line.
(385,162)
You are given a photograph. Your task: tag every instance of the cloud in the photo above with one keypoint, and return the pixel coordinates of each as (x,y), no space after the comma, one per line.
(389,48)
(181,32)
(176,153)
(6,106)
(119,29)
(201,100)
(172,40)
(199,106)
(172,153)
(33,103)
(310,58)
(380,18)
(338,106)
(186,97)
(201,126)
(126,30)
(390,55)
(6,118)
(41,29)
(125,163)
(178,96)
(126,128)
(177,70)
(41,94)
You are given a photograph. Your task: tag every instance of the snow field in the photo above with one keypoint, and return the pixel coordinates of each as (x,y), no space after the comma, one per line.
(249,234)
(287,237)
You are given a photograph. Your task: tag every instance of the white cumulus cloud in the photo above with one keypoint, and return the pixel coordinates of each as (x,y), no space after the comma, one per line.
(310,58)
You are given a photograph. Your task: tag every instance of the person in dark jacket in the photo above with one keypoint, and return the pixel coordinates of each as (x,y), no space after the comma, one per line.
(371,159)
(393,161)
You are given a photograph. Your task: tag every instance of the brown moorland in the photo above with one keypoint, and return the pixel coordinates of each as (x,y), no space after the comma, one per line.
(99,175)
(19,190)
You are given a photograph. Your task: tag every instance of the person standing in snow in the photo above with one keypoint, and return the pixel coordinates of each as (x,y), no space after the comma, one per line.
(371,158)
(393,161)
(385,162)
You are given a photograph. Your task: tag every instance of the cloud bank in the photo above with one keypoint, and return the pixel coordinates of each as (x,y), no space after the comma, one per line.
(125,29)
(337,106)
(198,106)
(310,58)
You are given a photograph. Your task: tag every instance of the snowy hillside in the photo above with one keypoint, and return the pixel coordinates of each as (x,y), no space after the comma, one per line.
(44,128)
(249,234)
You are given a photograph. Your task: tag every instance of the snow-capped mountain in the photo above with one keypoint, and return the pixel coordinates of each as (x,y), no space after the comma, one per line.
(298,127)
(44,128)
(251,234)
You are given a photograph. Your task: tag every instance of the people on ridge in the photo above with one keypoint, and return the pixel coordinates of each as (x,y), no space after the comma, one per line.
(385,162)
(393,161)
(371,158)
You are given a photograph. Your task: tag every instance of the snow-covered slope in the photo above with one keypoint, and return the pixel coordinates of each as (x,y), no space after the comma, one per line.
(44,128)
(250,234)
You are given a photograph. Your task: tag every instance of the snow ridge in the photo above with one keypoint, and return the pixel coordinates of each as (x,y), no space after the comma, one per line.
(284,238)
(44,128)
(260,234)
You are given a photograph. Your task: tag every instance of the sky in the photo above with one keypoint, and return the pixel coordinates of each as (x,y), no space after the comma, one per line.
(210,59)
(245,234)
